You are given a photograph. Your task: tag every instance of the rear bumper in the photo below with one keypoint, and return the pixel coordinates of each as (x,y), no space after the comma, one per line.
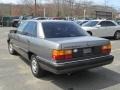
(61,68)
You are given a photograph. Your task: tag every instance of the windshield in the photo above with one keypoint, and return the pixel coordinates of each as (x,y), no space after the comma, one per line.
(62,29)
(78,22)
(83,22)
(91,24)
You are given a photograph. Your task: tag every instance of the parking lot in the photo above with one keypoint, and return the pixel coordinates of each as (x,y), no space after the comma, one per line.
(15,73)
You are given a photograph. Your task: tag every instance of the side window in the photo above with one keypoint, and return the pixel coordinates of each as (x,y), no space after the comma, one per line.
(30,29)
(103,23)
(21,27)
(107,23)
(111,23)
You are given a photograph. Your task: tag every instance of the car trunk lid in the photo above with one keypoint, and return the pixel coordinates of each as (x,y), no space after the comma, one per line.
(79,42)
(82,47)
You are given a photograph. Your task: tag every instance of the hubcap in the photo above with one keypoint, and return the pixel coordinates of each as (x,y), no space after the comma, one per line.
(11,48)
(118,35)
(34,66)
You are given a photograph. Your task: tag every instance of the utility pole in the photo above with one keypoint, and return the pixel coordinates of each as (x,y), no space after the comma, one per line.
(58,7)
(84,11)
(105,1)
(106,7)
(35,8)
(44,12)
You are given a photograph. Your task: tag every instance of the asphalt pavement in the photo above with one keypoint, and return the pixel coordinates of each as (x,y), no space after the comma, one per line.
(15,73)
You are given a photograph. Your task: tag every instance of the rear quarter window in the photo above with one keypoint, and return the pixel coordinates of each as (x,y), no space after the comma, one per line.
(107,23)
(62,29)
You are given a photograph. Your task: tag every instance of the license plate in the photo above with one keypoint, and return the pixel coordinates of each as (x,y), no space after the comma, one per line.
(87,51)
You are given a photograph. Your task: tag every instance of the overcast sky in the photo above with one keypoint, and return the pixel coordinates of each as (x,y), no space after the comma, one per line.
(114,3)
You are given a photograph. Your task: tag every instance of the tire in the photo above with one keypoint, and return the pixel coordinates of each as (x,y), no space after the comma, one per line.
(90,33)
(37,71)
(11,49)
(117,35)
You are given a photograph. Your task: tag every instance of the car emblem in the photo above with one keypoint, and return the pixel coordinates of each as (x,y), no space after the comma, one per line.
(75,50)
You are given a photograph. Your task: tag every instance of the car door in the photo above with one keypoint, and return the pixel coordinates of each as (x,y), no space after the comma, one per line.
(28,33)
(16,41)
(98,29)
(111,28)
(108,28)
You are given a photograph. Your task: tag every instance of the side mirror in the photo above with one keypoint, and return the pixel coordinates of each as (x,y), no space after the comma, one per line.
(98,26)
(13,31)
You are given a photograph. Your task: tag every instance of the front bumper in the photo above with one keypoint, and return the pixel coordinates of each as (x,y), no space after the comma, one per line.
(68,67)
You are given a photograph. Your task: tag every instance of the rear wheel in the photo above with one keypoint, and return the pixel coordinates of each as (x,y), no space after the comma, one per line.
(117,35)
(11,49)
(35,67)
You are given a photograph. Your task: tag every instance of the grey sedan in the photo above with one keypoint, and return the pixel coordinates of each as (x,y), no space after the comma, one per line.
(58,46)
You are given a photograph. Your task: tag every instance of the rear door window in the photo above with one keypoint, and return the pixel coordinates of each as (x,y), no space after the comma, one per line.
(21,27)
(107,23)
(30,29)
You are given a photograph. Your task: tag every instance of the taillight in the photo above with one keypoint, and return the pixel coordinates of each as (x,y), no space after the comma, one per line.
(61,54)
(106,49)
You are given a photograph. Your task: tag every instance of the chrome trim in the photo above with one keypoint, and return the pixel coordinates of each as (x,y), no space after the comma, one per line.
(54,63)
(81,60)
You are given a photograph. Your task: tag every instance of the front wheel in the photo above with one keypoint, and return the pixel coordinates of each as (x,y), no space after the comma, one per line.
(35,67)
(90,33)
(117,35)
(11,49)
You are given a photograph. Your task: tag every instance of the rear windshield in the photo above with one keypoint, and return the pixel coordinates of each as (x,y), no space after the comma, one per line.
(62,29)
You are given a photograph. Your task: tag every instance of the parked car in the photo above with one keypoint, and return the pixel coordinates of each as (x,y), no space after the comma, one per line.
(17,20)
(6,21)
(81,22)
(40,18)
(118,22)
(102,28)
(58,46)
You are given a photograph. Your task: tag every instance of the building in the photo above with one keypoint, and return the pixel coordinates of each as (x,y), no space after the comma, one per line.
(102,12)
(104,15)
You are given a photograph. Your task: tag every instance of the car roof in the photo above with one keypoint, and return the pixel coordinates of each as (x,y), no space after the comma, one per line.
(101,20)
(82,20)
(40,21)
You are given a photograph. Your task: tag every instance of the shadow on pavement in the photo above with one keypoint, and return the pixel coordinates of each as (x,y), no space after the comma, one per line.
(24,60)
(94,79)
